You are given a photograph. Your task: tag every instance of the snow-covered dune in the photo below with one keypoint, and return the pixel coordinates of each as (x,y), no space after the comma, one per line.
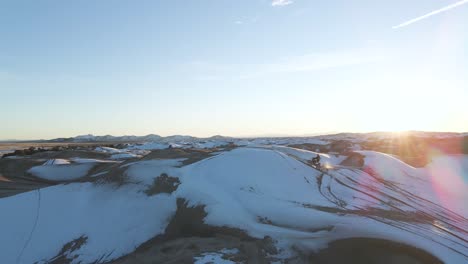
(245,185)
(60,170)
(240,186)
(34,226)
(262,191)
(443,181)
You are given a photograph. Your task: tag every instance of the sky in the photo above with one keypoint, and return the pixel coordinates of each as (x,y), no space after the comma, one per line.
(234,68)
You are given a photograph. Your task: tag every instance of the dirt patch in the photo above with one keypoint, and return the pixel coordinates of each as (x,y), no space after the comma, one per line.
(16,168)
(184,250)
(370,251)
(264,220)
(187,236)
(110,173)
(34,150)
(354,159)
(3,179)
(15,179)
(188,221)
(65,255)
(67,154)
(163,184)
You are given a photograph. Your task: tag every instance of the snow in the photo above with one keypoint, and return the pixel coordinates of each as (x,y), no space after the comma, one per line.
(305,155)
(265,191)
(210,144)
(212,258)
(125,156)
(108,150)
(123,153)
(450,165)
(99,174)
(443,181)
(216,257)
(149,146)
(448,176)
(65,170)
(144,172)
(84,160)
(57,162)
(175,145)
(214,142)
(387,165)
(115,221)
(62,172)
(229,251)
(242,185)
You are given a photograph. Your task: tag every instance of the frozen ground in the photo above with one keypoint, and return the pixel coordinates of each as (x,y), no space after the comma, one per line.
(262,190)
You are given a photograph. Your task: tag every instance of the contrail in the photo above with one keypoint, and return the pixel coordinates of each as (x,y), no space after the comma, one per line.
(459,3)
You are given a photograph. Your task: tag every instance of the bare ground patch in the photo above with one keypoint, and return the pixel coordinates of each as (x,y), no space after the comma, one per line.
(163,184)
(15,179)
(187,236)
(354,159)
(370,251)
(65,255)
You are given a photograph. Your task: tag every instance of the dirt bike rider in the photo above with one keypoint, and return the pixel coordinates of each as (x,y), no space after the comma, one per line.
(316,161)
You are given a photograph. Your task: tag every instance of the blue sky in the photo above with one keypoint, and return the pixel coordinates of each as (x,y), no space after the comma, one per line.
(237,68)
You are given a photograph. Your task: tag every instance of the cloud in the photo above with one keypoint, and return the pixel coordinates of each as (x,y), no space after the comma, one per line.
(444,9)
(312,62)
(211,71)
(281,2)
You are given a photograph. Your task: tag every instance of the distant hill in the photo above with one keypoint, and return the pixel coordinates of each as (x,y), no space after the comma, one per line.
(186,138)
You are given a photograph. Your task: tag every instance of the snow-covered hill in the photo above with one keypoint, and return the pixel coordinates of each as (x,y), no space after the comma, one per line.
(263,191)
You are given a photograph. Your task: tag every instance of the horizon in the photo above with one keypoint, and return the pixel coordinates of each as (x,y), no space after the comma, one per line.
(243,137)
(238,68)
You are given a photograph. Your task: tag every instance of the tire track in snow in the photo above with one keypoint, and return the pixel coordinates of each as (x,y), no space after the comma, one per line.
(407,226)
(18,259)
(285,159)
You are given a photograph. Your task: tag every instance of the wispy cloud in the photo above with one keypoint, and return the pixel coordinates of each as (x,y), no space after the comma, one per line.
(281,2)
(409,22)
(210,71)
(319,61)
